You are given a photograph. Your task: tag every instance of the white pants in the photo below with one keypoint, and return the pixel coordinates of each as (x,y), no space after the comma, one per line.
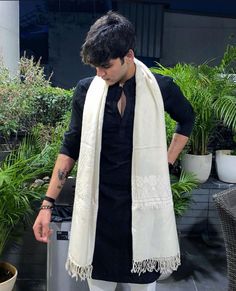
(99,285)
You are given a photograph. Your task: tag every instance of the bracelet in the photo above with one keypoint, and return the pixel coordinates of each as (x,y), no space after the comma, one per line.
(49,199)
(47,207)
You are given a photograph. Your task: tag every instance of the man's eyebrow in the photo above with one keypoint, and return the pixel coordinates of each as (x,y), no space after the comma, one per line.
(107,64)
(103,65)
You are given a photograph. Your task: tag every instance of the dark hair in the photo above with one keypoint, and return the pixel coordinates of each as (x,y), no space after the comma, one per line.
(110,37)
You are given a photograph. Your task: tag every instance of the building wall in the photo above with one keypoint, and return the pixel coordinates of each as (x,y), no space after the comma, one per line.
(185,38)
(195,39)
(66,34)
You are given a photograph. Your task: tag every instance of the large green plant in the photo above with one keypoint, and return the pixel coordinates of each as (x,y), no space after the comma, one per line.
(34,159)
(211,93)
(17,173)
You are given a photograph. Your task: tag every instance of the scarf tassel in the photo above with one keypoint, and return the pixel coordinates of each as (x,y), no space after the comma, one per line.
(76,271)
(164,265)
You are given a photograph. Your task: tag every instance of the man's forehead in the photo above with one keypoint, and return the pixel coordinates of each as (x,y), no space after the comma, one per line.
(108,62)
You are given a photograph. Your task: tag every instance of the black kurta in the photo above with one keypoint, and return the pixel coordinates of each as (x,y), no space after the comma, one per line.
(112,259)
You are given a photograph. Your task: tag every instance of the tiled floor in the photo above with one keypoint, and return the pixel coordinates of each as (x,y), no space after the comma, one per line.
(203,266)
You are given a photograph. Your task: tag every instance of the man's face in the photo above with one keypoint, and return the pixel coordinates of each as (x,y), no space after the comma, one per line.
(116,70)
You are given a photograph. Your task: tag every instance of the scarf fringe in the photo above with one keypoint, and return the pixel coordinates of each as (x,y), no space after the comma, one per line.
(164,265)
(76,271)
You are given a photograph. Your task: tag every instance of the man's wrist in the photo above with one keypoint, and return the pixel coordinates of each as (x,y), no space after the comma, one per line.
(49,199)
(46,207)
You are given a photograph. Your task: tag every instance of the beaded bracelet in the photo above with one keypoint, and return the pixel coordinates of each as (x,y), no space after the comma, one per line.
(49,199)
(43,207)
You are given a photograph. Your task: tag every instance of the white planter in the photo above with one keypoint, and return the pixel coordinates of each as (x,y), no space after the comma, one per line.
(199,165)
(226,166)
(9,284)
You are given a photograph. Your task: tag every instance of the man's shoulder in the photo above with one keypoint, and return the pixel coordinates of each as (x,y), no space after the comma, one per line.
(162,80)
(85,82)
(82,87)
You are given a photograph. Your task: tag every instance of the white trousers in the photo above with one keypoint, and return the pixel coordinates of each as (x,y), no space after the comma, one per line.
(99,285)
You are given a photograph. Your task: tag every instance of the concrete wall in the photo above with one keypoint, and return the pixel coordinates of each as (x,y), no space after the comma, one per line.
(194,38)
(9,35)
(66,35)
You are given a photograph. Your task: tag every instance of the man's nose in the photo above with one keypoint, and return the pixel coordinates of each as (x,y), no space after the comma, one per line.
(100,72)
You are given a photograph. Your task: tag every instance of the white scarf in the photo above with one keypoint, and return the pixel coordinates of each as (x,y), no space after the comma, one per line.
(154,235)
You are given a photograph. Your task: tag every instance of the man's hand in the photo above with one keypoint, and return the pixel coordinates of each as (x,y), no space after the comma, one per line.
(41,227)
(42,231)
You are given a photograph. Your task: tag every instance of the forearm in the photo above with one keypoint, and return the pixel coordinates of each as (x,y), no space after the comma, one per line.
(177,144)
(62,168)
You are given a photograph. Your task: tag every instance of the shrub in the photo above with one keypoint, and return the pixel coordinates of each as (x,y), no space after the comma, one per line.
(29,99)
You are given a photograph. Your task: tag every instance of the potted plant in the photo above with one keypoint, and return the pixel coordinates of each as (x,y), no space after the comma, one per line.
(17,173)
(196,88)
(226,111)
(206,88)
(25,102)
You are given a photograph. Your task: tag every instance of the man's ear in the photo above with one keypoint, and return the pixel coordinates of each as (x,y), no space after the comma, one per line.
(130,56)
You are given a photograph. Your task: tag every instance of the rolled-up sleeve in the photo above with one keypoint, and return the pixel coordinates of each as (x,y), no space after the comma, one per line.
(176,105)
(71,141)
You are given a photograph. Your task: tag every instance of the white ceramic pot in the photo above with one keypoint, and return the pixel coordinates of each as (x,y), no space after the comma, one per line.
(9,284)
(226,166)
(199,165)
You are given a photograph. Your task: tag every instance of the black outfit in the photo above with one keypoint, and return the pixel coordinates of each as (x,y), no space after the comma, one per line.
(112,259)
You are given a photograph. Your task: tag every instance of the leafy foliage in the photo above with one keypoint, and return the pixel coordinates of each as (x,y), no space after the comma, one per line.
(34,159)
(170,128)
(30,99)
(17,173)
(181,191)
(211,93)
(50,104)
(227,64)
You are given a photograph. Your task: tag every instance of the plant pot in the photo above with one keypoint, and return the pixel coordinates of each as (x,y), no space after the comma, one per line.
(199,165)
(9,283)
(226,166)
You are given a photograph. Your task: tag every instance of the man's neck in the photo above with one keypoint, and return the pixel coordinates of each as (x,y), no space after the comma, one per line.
(129,75)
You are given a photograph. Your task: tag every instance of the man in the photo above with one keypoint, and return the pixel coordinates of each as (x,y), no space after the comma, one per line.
(123,226)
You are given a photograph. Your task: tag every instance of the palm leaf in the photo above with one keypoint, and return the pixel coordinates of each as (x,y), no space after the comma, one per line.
(225,108)
(181,191)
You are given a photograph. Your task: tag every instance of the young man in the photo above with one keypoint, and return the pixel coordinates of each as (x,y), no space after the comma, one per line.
(123,226)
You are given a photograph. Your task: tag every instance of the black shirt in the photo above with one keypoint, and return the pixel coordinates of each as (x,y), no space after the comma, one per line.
(112,259)
(175,104)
